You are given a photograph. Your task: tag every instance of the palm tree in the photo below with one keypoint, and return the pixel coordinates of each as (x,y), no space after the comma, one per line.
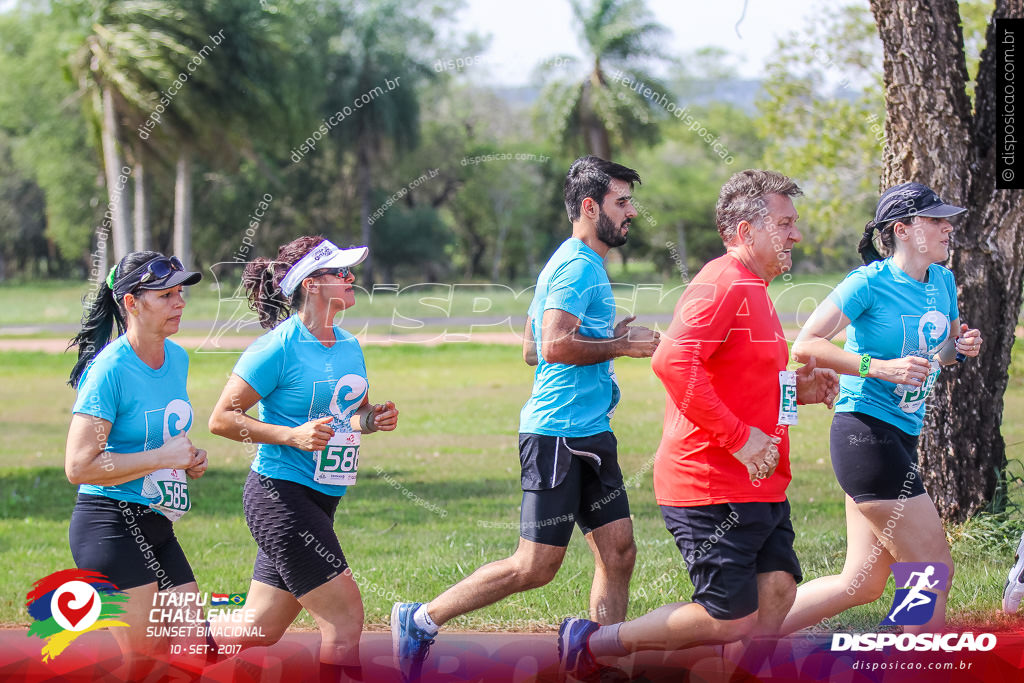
(236,84)
(126,60)
(601,112)
(385,46)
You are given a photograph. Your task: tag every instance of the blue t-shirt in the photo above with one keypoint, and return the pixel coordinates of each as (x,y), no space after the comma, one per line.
(572,400)
(891,316)
(144,407)
(300,379)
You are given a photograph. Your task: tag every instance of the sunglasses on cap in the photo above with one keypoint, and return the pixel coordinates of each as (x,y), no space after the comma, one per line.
(337,272)
(160,268)
(153,270)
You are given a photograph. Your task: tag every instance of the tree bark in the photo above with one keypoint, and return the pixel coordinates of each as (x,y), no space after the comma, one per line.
(933,138)
(183,208)
(143,231)
(598,142)
(113,164)
(364,168)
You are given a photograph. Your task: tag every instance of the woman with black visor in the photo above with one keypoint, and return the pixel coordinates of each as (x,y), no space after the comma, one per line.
(128,447)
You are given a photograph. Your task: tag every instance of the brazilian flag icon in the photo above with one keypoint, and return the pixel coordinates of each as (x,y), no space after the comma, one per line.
(237,599)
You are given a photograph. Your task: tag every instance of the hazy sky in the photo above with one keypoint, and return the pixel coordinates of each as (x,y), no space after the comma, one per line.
(525,32)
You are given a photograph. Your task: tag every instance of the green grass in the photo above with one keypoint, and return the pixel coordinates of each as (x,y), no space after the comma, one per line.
(455,449)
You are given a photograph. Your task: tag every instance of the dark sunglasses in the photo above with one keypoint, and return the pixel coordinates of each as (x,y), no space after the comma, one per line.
(160,268)
(153,271)
(337,272)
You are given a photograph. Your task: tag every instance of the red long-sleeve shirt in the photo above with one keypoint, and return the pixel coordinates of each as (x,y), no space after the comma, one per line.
(720,364)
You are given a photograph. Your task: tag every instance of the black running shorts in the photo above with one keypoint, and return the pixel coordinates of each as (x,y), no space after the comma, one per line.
(726,545)
(567,482)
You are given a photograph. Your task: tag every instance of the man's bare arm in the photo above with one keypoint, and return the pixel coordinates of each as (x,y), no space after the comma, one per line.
(562,342)
(529,344)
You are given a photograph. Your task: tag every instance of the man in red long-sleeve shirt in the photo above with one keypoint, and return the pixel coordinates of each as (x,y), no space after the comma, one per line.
(722,467)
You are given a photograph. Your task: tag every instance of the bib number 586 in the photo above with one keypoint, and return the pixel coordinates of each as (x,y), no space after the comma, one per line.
(340,459)
(337,464)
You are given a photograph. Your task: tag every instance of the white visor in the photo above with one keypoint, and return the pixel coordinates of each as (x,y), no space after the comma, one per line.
(324,255)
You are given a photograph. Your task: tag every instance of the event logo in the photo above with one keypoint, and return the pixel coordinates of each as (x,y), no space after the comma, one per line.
(71,602)
(914,603)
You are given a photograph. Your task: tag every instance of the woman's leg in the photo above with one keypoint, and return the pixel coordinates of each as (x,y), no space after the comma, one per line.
(912,532)
(266,615)
(862,580)
(337,608)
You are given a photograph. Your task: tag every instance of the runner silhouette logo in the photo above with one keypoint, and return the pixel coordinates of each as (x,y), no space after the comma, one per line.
(916,583)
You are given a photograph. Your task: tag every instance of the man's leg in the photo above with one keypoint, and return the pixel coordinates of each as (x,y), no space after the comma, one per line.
(603,517)
(679,625)
(531,566)
(614,556)
(720,547)
(776,592)
(546,524)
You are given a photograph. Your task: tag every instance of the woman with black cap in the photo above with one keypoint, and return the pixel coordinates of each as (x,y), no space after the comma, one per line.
(902,324)
(128,447)
(309,378)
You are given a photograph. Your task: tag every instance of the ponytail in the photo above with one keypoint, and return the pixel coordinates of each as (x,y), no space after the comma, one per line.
(101,313)
(264,292)
(866,248)
(262,282)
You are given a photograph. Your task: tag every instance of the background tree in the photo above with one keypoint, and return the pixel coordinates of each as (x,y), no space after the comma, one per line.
(385,42)
(934,137)
(822,117)
(598,114)
(48,141)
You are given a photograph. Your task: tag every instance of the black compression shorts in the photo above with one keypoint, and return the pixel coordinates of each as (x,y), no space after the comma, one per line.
(872,459)
(129,543)
(294,529)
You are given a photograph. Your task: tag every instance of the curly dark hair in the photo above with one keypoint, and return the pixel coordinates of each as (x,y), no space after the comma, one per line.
(262,281)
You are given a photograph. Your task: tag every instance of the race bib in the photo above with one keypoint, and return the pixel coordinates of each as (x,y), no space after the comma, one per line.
(338,462)
(167,491)
(616,393)
(912,398)
(787,397)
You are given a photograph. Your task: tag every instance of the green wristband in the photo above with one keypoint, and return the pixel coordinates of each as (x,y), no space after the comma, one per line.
(865,365)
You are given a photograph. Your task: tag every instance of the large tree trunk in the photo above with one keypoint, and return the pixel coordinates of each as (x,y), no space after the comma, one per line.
(596,134)
(113,164)
(933,138)
(183,208)
(364,182)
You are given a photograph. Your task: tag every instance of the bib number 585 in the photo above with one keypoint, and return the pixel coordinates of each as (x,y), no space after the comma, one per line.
(175,495)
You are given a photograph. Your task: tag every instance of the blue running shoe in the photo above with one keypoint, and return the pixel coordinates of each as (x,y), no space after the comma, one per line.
(1014,590)
(409,642)
(574,657)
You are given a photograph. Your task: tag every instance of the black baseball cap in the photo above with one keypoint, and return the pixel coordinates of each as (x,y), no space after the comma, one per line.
(912,199)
